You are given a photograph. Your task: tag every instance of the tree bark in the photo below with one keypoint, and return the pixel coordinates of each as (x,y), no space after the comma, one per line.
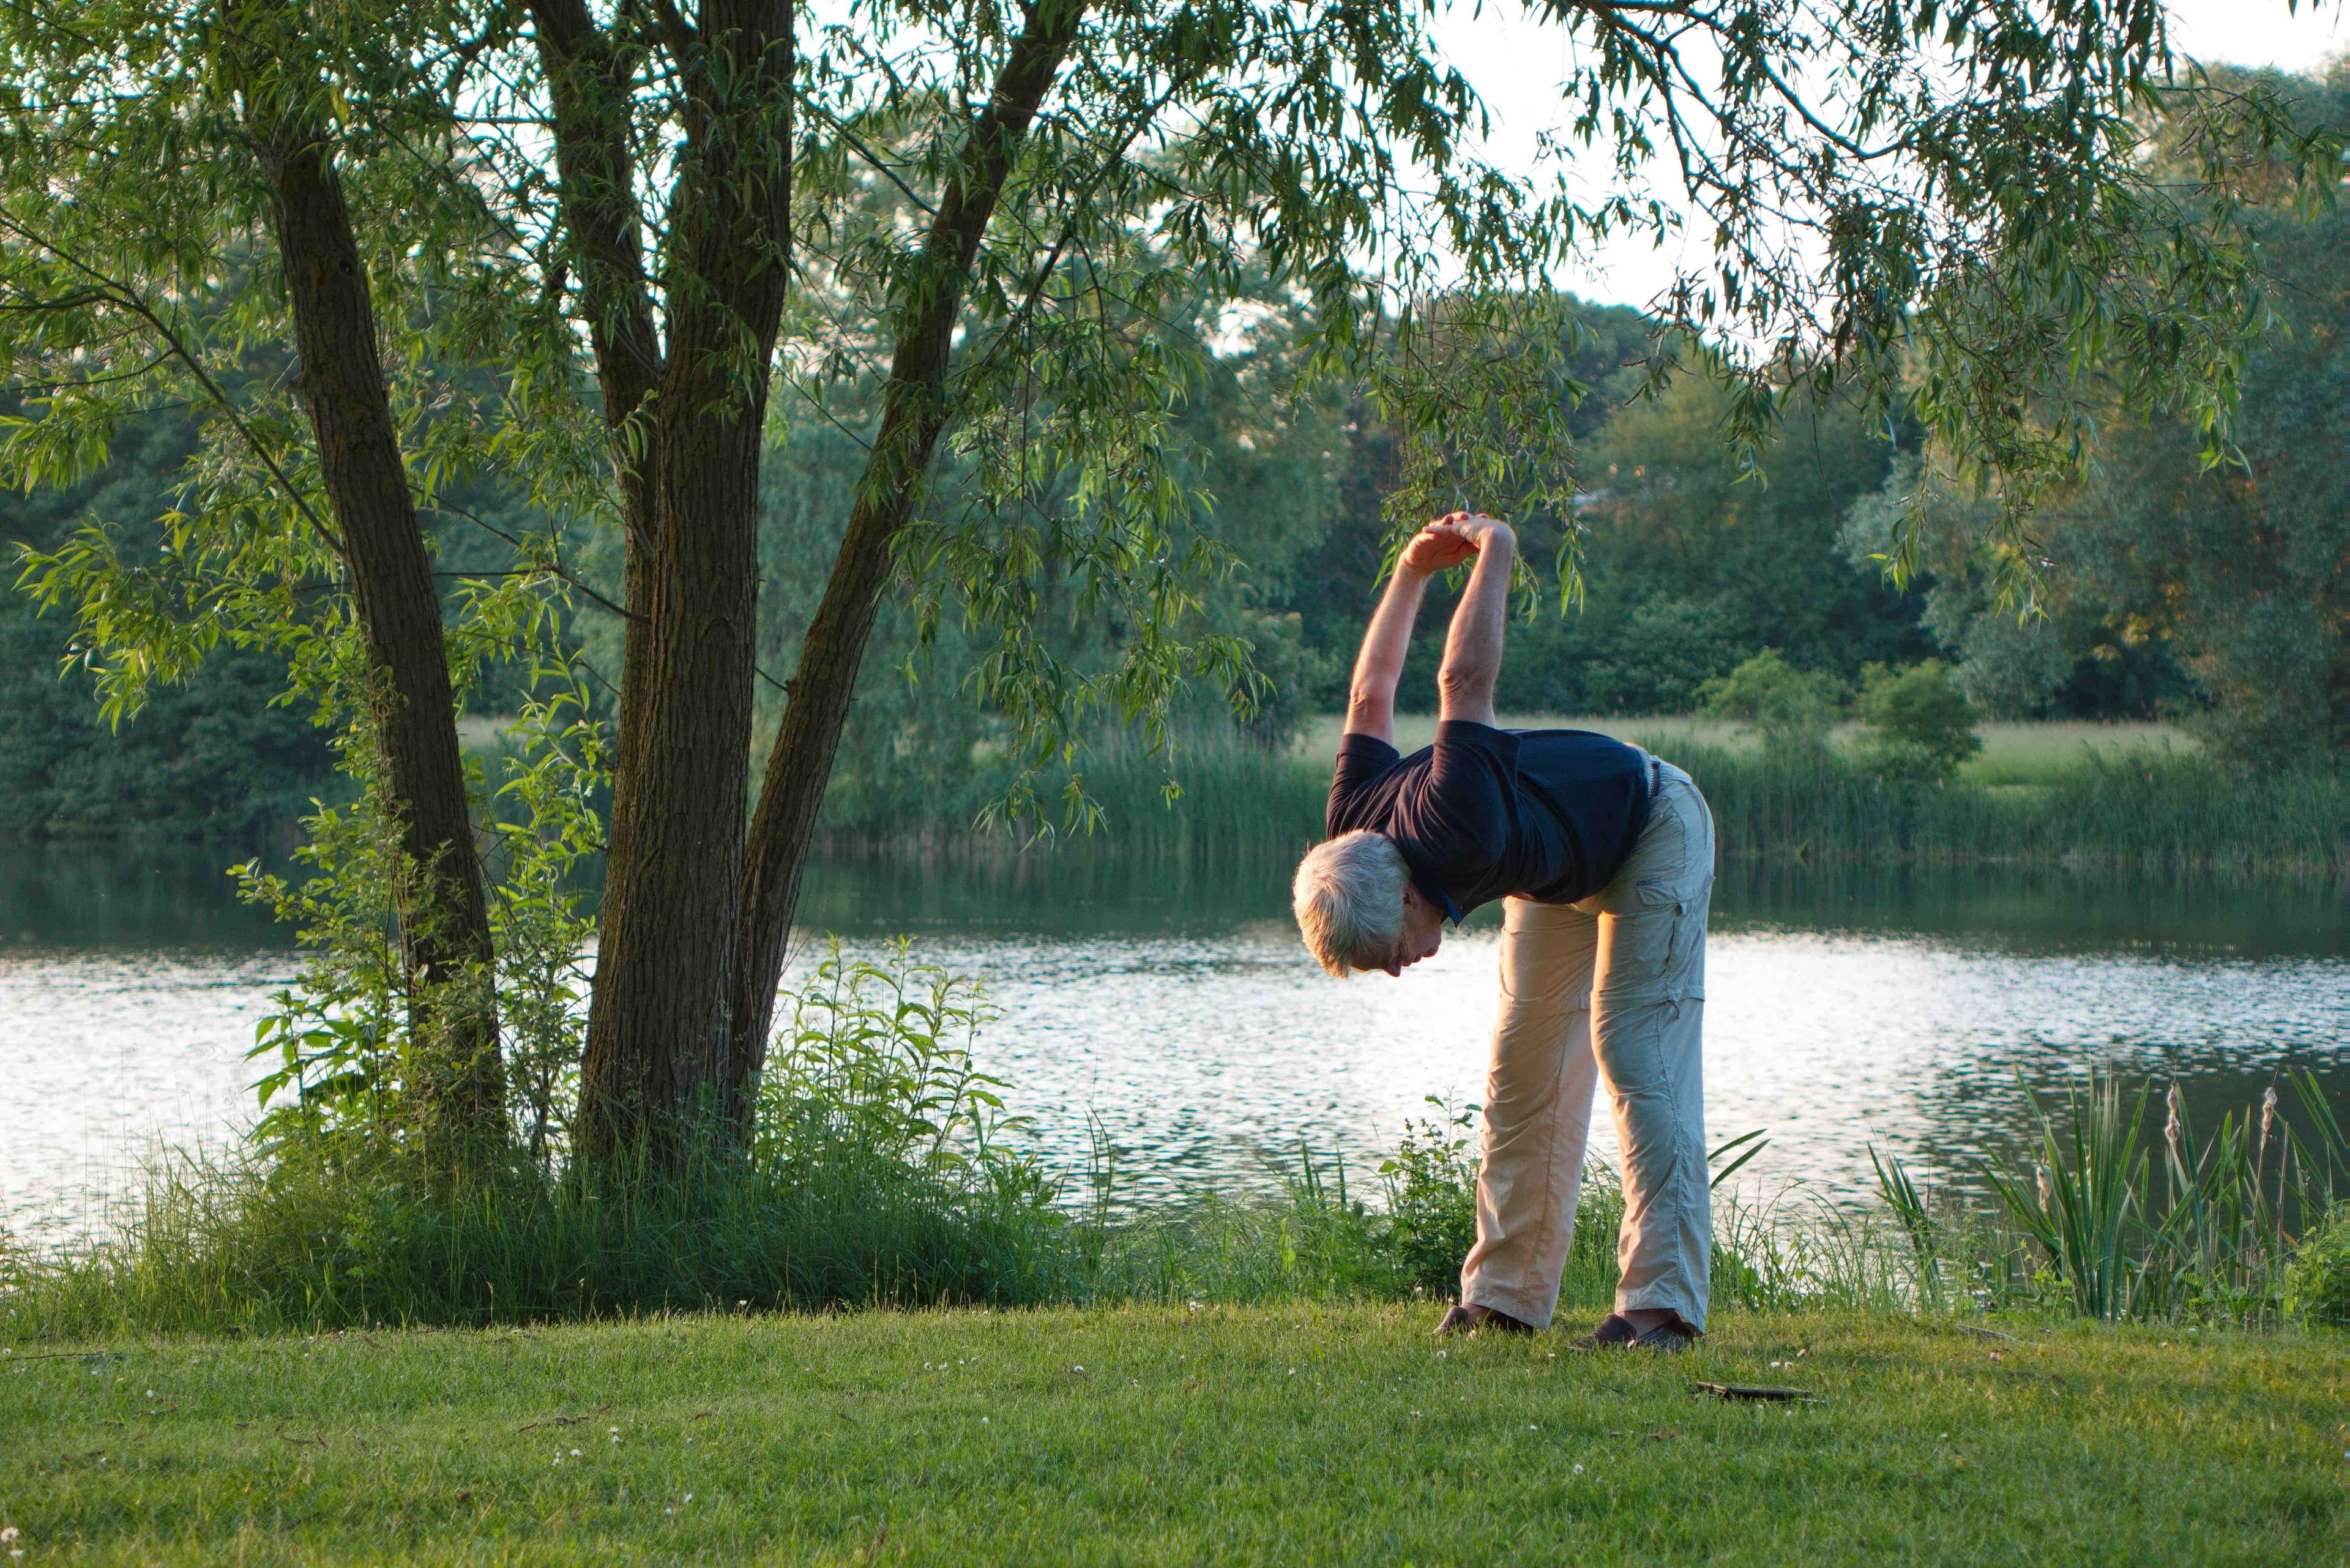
(689,423)
(445,923)
(914,412)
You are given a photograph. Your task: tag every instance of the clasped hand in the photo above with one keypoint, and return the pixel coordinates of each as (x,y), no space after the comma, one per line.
(1450,540)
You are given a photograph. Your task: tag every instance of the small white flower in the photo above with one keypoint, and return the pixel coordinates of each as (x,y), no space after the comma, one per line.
(982,1420)
(688,1497)
(8,1536)
(1441,1355)
(1578,1470)
(614,1430)
(1532,1427)
(1081,1369)
(151,1393)
(575,1453)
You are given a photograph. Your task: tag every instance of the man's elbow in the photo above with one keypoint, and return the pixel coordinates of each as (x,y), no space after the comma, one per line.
(1464,684)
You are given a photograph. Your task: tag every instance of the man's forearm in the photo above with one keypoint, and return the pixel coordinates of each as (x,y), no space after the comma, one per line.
(1370,698)
(1472,647)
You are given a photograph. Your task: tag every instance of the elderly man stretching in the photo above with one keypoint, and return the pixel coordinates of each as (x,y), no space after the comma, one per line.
(1603,857)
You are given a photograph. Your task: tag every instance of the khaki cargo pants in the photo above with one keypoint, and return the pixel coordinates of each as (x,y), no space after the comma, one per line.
(1611,989)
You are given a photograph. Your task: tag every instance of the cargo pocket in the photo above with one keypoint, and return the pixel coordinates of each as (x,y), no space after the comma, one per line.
(1660,942)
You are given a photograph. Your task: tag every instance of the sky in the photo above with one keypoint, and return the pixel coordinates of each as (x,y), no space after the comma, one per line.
(1516,64)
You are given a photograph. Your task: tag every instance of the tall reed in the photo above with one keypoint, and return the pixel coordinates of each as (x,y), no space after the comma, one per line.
(2151,811)
(2144,811)
(2100,1222)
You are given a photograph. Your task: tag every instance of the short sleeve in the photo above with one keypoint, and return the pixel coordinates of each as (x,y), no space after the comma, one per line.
(1467,807)
(1363,760)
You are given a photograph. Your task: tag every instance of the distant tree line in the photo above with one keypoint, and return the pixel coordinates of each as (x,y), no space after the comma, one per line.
(2215,596)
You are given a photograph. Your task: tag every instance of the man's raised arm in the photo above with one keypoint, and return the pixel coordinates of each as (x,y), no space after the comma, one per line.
(1472,648)
(1370,700)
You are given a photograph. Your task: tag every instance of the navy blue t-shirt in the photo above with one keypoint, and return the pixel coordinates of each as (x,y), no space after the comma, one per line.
(1548,815)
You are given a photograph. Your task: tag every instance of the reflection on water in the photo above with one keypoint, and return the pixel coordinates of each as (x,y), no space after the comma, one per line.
(1175,1003)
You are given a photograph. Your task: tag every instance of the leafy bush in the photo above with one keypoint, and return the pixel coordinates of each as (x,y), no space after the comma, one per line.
(876,1177)
(1923,726)
(1431,1193)
(2317,1281)
(874,1073)
(1792,709)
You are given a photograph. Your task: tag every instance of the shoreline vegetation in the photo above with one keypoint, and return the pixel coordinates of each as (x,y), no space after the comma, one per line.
(2085,796)
(884,1169)
(2135,797)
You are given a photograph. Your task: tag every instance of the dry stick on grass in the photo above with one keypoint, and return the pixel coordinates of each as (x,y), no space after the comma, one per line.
(1986,1332)
(1744,1391)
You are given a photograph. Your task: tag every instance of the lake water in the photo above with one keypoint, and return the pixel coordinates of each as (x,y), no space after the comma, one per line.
(1176,1005)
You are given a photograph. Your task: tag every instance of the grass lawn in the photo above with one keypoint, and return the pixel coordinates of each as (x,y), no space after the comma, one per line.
(1222,1434)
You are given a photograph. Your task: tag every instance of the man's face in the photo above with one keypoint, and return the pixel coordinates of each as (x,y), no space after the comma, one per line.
(1423,933)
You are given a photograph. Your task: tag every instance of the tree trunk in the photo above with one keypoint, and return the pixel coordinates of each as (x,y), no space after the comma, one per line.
(689,423)
(914,412)
(444,921)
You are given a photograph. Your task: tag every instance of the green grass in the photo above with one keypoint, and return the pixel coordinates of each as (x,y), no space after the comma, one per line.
(1224,1435)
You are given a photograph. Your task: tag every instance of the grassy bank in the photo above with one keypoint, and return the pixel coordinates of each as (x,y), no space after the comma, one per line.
(2123,797)
(1221,1435)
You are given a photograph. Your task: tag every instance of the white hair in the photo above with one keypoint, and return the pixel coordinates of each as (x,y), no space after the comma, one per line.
(1349,897)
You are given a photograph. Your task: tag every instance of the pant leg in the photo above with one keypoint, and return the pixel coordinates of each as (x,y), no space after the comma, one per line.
(1647,1018)
(1537,1112)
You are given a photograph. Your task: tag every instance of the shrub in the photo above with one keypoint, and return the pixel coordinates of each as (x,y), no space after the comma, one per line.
(1792,709)
(1922,725)
(2317,1281)
(1432,1192)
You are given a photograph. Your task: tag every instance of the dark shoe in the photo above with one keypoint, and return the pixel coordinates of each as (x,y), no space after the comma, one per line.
(1666,1339)
(1616,1333)
(1469,1319)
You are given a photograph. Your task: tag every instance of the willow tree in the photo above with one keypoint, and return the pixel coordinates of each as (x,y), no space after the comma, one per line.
(606,237)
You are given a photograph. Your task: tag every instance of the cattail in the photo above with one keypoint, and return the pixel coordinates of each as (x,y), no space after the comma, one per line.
(2267,1120)
(2174,1130)
(2047,1188)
